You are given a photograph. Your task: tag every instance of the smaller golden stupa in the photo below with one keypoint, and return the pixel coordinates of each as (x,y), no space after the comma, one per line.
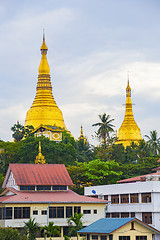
(82,137)
(40,159)
(129,131)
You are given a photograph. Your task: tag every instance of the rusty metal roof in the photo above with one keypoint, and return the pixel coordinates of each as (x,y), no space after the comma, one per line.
(138,178)
(48,197)
(39,174)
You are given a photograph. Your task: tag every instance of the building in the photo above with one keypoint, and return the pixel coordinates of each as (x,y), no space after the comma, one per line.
(44,112)
(119,229)
(134,197)
(129,131)
(41,191)
(82,137)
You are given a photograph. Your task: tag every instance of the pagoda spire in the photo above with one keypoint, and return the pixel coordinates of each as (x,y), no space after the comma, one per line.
(129,131)
(44,109)
(82,137)
(40,158)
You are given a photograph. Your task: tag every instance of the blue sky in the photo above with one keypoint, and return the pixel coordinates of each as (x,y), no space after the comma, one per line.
(93,44)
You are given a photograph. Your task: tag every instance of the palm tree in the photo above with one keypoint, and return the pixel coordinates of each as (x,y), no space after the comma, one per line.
(31,229)
(105,127)
(153,142)
(75,224)
(51,230)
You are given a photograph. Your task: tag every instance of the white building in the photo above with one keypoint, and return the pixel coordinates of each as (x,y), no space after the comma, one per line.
(135,197)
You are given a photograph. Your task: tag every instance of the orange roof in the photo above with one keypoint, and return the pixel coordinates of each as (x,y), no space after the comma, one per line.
(38,174)
(48,197)
(136,179)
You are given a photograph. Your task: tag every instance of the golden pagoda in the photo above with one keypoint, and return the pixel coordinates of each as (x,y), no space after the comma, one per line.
(129,131)
(44,110)
(40,158)
(82,137)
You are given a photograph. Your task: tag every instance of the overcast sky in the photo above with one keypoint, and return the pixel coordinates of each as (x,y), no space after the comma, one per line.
(93,44)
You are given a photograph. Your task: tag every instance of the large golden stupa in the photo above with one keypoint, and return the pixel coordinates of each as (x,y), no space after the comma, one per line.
(44,110)
(129,131)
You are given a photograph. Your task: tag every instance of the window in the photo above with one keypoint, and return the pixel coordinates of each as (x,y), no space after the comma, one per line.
(35,212)
(17,212)
(115,215)
(86,211)
(21,212)
(103,237)
(105,197)
(69,212)
(94,237)
(125,198)
(56,212)
(124,237)
(141,237)
(1,213)
(88,237)
(26,212)
(95,196)
(132,214)
(147,217)
(77,210)
(134,198)
(43,188)
(111,237)
(44,212)
(95,211)
(57,188)
(7,213)
(124,215)
(27,188)
(107,215)
(115,199)
(146,197)
(132,226)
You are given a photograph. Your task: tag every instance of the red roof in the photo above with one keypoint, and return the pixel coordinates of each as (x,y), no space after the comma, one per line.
(48,197)
(137,179)
(38,174)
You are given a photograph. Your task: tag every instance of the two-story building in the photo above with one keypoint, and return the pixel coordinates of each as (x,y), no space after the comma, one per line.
(41,191)
(135,197)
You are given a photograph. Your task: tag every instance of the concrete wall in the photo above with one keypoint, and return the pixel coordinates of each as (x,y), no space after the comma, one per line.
(42,219)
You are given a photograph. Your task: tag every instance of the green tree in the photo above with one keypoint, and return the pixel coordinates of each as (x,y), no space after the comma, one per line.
(118,153)
(1,181)
(105,127)
(51,230)
(79,180)
(31,229)
(75,224)
(153,142)
(18,132)
(95,172)
(11,234)
(99,172)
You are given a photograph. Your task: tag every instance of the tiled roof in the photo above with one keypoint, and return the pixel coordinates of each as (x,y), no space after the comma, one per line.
(39,174)
(109,225)
(137,179)
(49,197)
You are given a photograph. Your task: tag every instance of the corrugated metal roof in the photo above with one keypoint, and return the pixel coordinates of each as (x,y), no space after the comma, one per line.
(105,225)
(136,179)
(39,174)
(109,225)
(49,197)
